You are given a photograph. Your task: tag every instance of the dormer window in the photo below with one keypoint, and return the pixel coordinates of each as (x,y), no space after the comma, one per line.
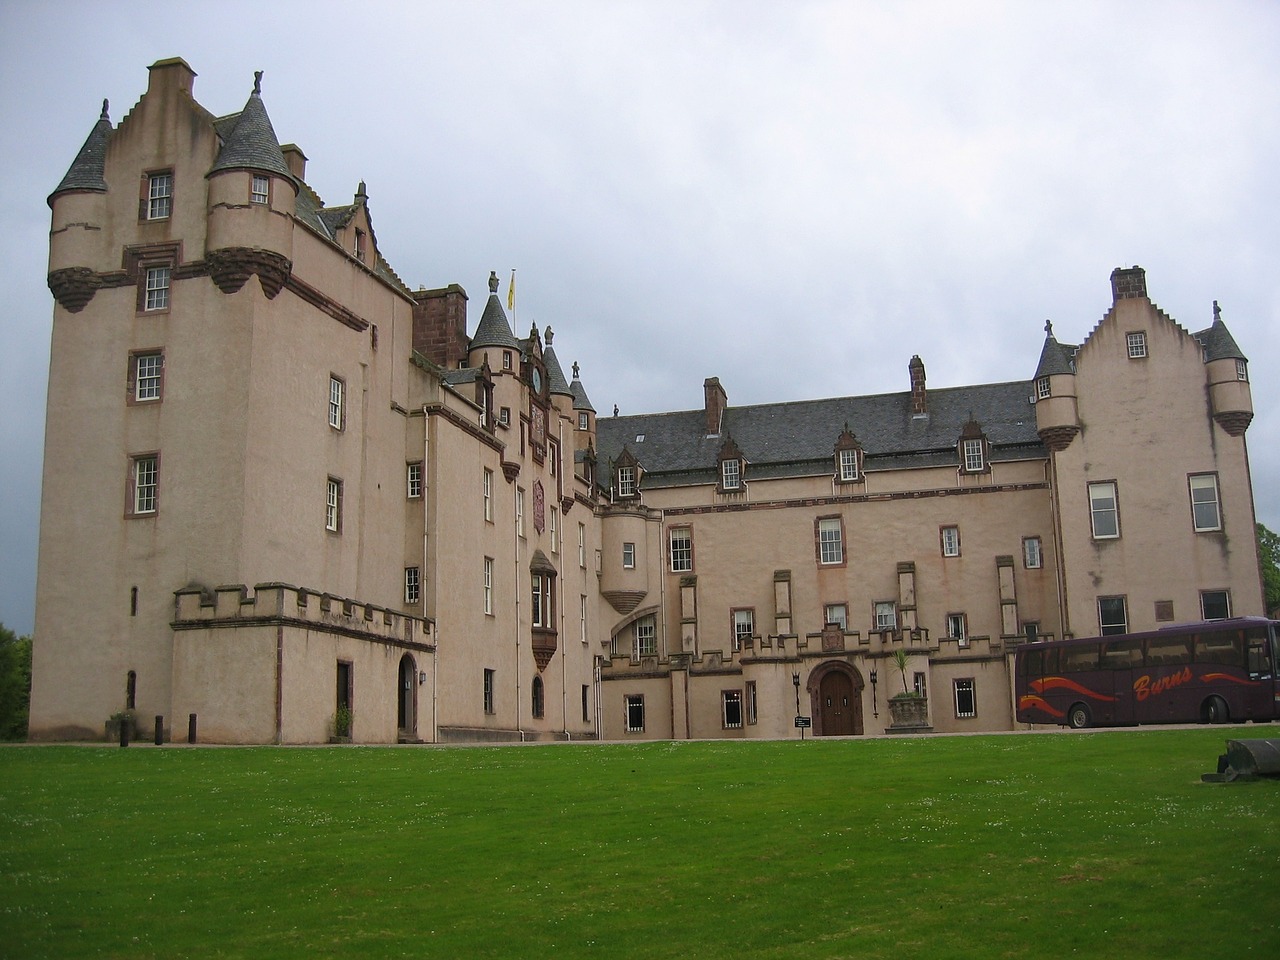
(626,481)
(848,457)
(973,460)
(1137,344)
(973,448)
(1043,390)
(730,474)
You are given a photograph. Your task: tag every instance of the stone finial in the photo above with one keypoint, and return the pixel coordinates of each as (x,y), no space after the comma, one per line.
(257,83)
(493,281)
(615,409)
(105,105)
(1048,328)
(1217,310)
(575,369)
(548,335)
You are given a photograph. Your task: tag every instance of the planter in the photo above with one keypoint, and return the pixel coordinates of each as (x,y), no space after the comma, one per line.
(910,715)
(113,727)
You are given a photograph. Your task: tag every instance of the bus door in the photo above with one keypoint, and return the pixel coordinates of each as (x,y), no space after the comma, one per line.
(1260,664)
(1119,658)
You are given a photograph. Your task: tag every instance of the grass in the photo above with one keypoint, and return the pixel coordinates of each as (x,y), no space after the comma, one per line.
(1036,846)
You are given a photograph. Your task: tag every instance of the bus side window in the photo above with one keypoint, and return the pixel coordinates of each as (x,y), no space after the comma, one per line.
(1168,651)
(1259,661)
(1077,659)
(1223,648)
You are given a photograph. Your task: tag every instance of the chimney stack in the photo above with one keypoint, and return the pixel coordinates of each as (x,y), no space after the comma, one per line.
(716,401)
(919,402)
(1128,283)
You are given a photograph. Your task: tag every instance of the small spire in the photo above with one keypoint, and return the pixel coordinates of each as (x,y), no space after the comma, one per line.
(257,83)
(1217,311)
(105,105)
(1048,328)
(361,193)
(493,281)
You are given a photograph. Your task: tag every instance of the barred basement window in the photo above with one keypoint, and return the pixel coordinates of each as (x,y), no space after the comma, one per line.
(731,709)
(966,700)
(635,712)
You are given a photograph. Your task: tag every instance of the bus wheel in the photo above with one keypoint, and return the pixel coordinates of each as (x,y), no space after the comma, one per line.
(1078,716)
(1215,710)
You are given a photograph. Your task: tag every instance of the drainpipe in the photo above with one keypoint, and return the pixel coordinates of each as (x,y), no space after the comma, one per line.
(564,645)
(428,570)
(515,537)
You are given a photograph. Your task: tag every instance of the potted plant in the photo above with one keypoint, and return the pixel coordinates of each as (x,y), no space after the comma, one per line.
(342,718)
(126,718)
(909,709)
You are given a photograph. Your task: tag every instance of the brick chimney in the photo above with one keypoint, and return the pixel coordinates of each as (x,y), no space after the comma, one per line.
(440,325)
(716,401)
(1128,283)
(172,74)
(919,402)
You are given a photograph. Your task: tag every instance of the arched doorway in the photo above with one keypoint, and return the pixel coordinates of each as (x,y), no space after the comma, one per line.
(406,714)
(835,691)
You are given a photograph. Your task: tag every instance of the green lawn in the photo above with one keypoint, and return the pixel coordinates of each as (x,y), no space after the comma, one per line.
(1036,846)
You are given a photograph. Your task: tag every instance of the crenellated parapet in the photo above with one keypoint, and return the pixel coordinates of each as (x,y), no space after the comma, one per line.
(281,604)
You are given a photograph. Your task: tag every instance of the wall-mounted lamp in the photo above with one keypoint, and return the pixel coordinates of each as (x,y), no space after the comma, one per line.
(875,710)
(422,677)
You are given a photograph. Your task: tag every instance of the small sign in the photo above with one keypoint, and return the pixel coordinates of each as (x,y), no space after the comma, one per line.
(804,722)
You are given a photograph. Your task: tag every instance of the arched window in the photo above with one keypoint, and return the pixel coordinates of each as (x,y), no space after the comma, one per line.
(537,697)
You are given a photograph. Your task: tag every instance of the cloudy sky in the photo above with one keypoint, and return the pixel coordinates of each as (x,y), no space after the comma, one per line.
(794,197)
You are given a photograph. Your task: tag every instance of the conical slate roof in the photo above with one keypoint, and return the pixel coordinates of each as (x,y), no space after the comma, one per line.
(1218,342)
(579,393)
(494,330)
(555,373)
(88,170)
(1054,357)
(252,142)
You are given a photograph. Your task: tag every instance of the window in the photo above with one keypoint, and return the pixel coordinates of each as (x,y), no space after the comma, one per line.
(951,541)
(543,592)
(635,712)
(260,192)
(1205,515)
(1137,344)
(506,359)
(337,393)
(1043,388)
(488,586)
(973,459)
(535,691)
(731,709)
(145,478)
(554,530)
(156,291)
(159,201)
(1242,371)
(147,376)
(1031,556)
(848,465)
(628,556)
(830,540)
(918,684)
(744,628)
(730,474)
(1215,604)
(582,616)
(646,637)
(837,613)
(583,421)
(957,628)
(966,702)
(753,703)
(1113,616)
(413,479)
(681,549)
(504,416)
(886,615)
(360,246)
(333,506)
(1103,511)
(626,481)
(519,512)
(488,691)
(586,703)
(412,585)
(582,545)
(486,487)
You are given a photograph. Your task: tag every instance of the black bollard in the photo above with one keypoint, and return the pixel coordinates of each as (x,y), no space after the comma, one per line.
(124,731)
(191,728)
(159,729)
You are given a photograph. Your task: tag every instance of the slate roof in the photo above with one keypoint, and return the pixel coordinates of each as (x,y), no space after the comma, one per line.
(493,329)
(1055,357)
(1218,342)
(555,375)
(579,393)
(798,438)
(88,170)
(251,142)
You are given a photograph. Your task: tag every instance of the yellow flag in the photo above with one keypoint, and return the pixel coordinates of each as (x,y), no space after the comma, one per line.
(511,292)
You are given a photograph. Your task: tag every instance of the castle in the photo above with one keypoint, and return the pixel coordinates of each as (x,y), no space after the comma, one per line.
(320,508)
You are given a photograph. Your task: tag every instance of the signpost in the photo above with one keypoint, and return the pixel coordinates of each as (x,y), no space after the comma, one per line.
(803,723)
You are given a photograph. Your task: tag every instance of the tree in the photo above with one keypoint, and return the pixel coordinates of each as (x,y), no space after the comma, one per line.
(1269,557)
(15,684)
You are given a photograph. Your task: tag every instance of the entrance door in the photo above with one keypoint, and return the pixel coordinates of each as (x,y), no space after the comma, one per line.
(404,711)
(835,699)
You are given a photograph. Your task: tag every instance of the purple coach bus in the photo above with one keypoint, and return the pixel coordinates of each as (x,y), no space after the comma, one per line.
(1217,671)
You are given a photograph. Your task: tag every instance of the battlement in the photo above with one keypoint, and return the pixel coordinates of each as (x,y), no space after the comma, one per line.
(235,605)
